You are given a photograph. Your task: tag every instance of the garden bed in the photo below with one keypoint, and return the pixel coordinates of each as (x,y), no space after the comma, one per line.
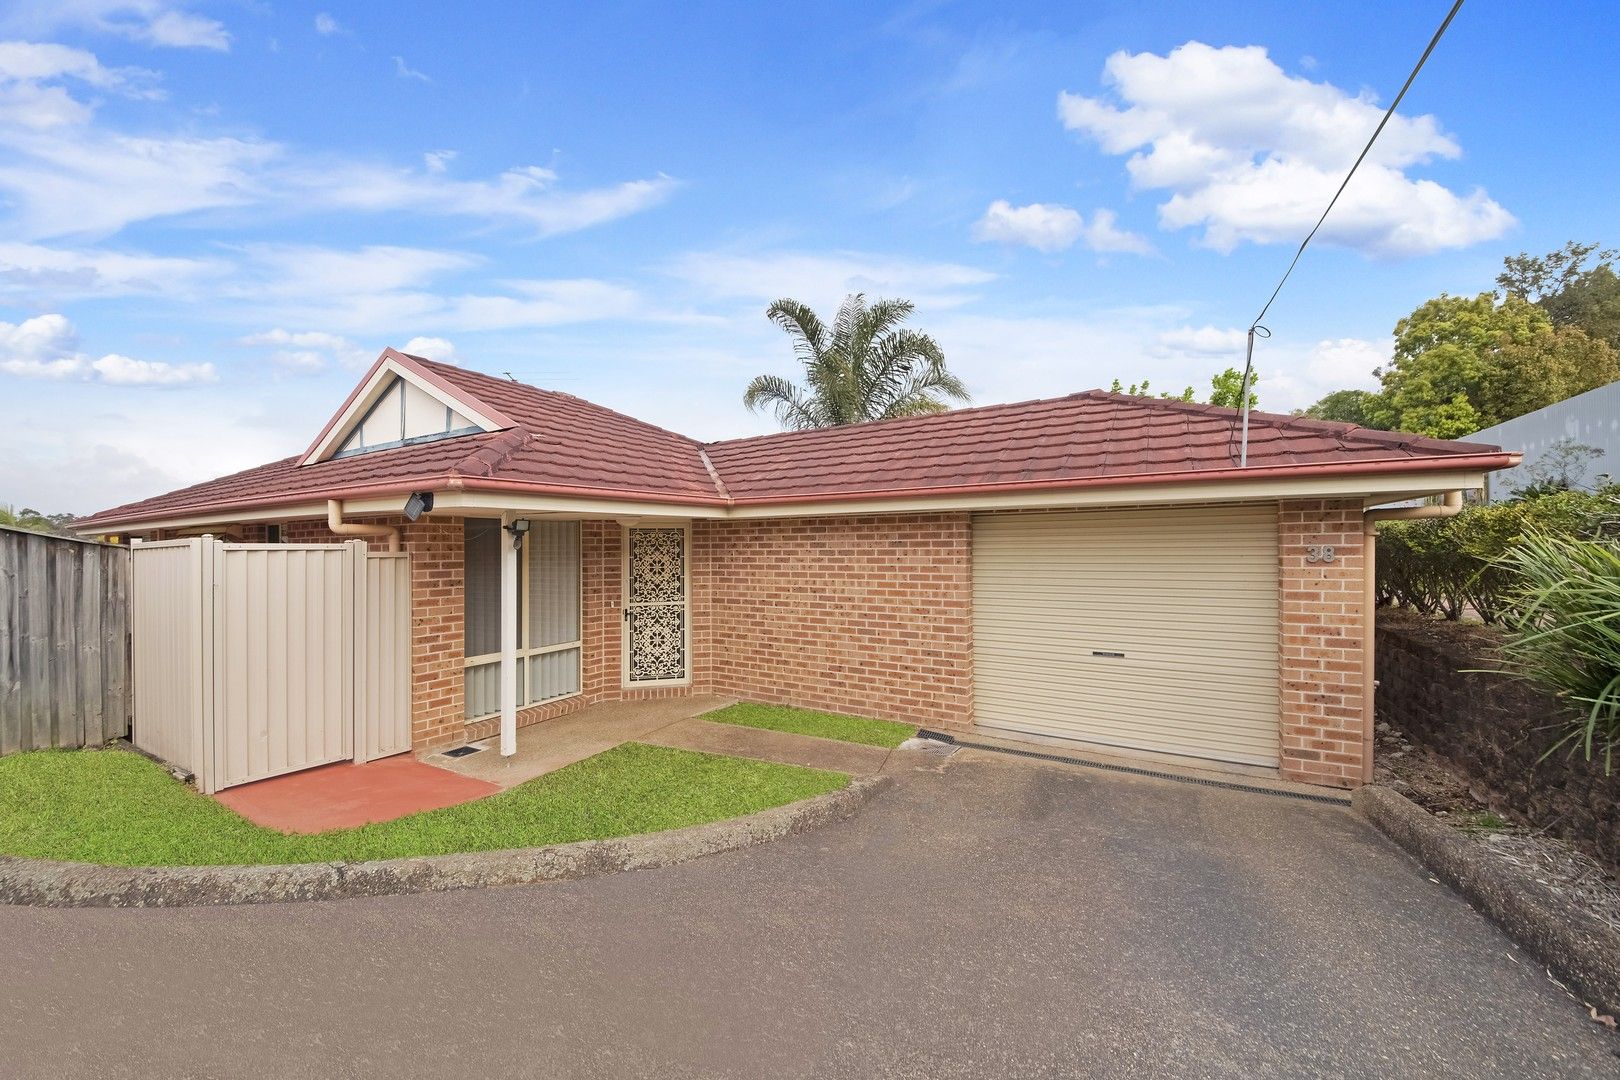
(1500,834)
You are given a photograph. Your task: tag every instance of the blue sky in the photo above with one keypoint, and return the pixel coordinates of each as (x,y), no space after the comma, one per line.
(214,215)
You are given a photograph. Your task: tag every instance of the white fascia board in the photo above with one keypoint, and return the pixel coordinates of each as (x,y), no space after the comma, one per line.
(1373,489)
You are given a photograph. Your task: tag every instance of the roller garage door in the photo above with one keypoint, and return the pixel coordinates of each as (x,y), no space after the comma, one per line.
(1148,629)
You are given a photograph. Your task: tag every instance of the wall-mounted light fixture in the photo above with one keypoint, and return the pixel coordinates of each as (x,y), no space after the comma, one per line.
(420,502)
(519,529)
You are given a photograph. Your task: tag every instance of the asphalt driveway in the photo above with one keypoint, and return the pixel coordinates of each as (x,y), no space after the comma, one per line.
(997,918)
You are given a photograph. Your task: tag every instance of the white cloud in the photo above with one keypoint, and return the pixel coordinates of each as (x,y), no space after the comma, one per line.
(46,347)
(78,479)
(1251,154)
(319,273)
(123,371)
(151,22)
(823,280)
(33,270)
(437,161)
(405,71)
(1042,226)
(1102,235)
(1051,227)
(372,292)
(528,196)
(326,26)
(434,348)
(28,69)
(308,352)
(1201,341)
(86,182)
(533,303)
(68,174)
(1296,379)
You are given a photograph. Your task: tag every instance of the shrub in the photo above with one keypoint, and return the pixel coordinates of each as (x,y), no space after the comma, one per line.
(1449,566)
(1563,632)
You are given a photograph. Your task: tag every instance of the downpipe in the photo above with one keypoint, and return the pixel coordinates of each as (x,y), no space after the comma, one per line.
(1449,506)
(338,527)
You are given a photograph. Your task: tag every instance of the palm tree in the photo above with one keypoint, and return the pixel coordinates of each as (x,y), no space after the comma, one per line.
(866,367)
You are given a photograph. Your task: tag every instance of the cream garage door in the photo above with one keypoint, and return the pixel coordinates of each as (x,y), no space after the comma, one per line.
(1149,629)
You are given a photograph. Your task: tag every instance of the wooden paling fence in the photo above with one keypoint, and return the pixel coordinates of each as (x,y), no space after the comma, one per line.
(64,641)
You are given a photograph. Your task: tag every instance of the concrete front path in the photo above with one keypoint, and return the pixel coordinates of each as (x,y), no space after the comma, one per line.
(764,745)
(548,746)
(990,917)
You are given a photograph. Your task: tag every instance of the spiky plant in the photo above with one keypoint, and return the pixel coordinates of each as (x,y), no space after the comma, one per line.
(866,366)
(1563,628)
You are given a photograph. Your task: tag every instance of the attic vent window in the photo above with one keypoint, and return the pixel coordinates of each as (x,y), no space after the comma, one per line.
(402,415)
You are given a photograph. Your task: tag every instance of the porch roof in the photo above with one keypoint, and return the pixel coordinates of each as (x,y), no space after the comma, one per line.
(558,444)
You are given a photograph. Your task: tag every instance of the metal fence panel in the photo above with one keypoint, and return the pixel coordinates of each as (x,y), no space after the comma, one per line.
(254,660)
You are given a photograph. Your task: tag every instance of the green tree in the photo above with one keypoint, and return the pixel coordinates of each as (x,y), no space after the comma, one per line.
(1571,293)
(1226,387)
(1347,407)
(1554,364)
(1141,390)
(1445,351)
(34,521)
(866,366)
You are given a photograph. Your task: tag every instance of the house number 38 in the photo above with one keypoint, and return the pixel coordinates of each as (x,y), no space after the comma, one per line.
(1319,553)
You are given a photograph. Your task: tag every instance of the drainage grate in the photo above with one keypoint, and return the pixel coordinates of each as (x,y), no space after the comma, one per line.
(1135,770)
(463,751)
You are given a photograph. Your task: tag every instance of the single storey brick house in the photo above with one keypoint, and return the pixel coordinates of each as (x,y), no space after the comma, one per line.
(1092,569)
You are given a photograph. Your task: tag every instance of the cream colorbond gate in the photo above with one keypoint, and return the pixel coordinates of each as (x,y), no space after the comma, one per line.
(254,660)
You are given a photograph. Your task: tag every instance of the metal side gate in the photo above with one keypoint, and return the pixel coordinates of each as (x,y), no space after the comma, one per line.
(254,660)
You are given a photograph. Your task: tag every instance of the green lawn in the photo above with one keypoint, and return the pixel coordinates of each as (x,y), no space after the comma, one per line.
(118,808)
(855,729)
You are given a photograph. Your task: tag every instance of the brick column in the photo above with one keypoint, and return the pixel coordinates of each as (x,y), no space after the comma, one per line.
(437,624)
(1322,672)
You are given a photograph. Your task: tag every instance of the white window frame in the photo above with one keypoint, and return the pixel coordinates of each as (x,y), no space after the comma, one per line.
(524,651)
(624,606)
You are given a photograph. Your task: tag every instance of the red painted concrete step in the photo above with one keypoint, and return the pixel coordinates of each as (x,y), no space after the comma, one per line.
(344,795)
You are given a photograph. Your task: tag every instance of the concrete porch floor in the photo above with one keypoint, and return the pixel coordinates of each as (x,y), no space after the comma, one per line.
(673,722)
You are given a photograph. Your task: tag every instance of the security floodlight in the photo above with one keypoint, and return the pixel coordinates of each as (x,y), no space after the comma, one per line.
(418,504)
(519,528)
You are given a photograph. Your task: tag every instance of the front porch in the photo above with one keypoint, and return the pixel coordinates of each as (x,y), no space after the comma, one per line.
(675,723)
(344,795)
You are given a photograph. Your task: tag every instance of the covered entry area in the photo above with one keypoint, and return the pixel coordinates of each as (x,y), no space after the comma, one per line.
(1145,629)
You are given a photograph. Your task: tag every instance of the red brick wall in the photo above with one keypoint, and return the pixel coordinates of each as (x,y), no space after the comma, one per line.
(1322,670)
(868,615)
(872,615)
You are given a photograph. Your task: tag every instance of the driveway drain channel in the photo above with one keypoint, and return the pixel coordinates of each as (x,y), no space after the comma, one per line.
(1135,770)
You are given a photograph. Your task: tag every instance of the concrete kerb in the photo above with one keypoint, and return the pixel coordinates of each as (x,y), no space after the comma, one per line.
(1577,948)
(43,883)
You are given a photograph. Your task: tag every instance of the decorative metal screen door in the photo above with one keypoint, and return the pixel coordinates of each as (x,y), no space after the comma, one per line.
(655,606)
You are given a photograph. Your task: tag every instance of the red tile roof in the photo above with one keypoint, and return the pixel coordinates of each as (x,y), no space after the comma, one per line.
(564,445)
(1083,438)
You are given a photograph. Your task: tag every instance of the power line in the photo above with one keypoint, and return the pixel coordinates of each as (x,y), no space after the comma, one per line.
(1248,364)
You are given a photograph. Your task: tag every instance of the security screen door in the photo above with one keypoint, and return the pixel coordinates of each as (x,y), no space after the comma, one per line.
(655,615)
